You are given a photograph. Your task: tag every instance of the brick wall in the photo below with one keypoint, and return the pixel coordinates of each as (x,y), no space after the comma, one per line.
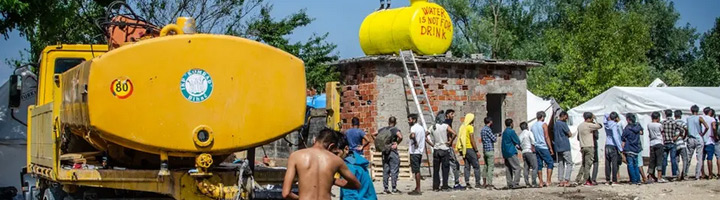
(359,96)
(460,86)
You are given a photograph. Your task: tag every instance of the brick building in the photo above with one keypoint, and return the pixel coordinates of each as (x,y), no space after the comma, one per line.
(374,88)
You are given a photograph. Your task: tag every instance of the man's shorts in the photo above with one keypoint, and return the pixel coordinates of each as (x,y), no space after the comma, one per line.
(543,155)
(415,160)
(717,151)
(709,151)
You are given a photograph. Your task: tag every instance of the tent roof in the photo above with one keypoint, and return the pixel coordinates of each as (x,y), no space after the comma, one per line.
(657,83)
(650,99)
(535,104)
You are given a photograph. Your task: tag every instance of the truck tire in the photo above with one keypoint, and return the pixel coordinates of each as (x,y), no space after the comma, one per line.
(53,193)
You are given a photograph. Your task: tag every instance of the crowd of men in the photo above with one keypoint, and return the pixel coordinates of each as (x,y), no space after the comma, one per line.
(541,145)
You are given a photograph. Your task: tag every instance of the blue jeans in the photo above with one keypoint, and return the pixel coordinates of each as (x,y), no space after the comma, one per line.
(670,151)
(543,155)
(709,151)
(633,169)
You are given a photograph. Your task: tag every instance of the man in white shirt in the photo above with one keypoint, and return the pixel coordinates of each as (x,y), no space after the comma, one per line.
(417,146)
(441,136)
(527,144)
(656,148)
(708,138)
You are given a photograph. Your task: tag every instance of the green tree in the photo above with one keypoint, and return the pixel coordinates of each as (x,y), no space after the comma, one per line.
(315,51)
(706,72)
(45,23)
(471,34)
(673,48)
(211,16)
(587,46)
(593,46)
(507,29)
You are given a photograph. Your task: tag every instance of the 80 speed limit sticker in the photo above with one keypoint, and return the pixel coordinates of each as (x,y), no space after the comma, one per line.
(121,88)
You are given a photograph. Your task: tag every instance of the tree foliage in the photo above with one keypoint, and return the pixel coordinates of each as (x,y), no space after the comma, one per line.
(587,46)
(706,71)
(44,23)
(673,48)
(211,16)
(594,48)
(315,51)
(494,28)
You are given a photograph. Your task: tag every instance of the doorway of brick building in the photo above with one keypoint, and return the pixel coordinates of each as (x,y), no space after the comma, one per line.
(495,111)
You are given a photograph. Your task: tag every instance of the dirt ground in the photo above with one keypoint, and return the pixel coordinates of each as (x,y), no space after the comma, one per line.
(703,189)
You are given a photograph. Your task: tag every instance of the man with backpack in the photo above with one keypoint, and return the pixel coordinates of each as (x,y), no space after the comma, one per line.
(386,141)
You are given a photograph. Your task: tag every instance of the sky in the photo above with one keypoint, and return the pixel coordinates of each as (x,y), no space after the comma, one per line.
(342,19)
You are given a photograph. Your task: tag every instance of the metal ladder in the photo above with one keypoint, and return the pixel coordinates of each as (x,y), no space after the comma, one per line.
(412,74)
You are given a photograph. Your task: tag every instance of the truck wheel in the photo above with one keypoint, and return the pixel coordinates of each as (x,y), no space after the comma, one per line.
(54,194)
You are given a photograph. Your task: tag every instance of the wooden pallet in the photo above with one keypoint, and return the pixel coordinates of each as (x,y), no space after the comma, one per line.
(376,168)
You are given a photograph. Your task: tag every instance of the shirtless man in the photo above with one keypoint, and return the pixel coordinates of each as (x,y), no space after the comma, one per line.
(315,168)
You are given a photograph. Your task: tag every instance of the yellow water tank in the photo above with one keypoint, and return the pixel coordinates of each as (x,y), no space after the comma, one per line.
(186,94)
(423,27)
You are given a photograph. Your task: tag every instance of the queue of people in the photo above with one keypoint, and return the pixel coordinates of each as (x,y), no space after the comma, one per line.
(524,155)
(672,140)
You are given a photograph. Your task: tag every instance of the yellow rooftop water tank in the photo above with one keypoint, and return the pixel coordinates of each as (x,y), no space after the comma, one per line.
(423,27)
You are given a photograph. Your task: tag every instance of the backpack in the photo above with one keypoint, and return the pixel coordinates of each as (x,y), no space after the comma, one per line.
(384,139)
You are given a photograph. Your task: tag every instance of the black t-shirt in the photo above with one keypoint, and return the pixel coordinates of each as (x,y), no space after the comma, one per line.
(449,122)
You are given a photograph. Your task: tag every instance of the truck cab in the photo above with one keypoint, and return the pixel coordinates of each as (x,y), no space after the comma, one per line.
(54,60)
(26,85)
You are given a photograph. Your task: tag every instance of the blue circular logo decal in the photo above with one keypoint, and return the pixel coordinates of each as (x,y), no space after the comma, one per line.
(196,85)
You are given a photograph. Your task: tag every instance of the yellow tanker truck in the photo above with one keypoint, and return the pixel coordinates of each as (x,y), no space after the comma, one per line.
(160,114)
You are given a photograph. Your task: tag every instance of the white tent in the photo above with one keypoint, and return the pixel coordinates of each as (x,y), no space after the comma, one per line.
(642,101)
(535,104)
(658,83)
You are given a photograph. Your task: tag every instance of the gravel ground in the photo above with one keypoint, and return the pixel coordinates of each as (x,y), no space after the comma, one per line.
(703,189)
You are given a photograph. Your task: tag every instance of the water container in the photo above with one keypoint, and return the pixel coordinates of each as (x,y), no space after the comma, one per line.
(424,27)
(319,101)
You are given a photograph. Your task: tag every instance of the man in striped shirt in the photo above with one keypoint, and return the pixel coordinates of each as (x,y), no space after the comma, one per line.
(681,145)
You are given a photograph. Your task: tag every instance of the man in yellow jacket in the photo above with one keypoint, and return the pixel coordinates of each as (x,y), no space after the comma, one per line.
(468,149)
